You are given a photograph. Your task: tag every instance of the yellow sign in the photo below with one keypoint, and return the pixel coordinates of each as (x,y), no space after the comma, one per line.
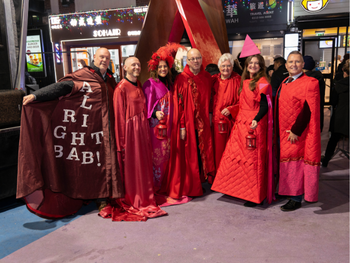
(314,5)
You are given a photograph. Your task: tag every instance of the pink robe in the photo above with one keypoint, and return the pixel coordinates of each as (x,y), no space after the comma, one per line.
(158,97)
(134,156)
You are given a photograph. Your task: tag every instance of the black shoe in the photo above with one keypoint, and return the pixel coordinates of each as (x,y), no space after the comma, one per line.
(291,206)
(251,204)
(324,161)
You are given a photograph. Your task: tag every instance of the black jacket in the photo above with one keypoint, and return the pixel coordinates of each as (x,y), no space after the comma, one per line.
(340,116)
(277,77)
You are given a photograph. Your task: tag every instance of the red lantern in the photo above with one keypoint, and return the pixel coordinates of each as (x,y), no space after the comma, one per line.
(222,125)
(161,130)
(251,140)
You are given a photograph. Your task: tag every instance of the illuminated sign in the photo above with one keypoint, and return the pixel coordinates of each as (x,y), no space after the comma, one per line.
(134,33)
(112,23)
(33,55)
(314,5)
(106,32)
(58,53)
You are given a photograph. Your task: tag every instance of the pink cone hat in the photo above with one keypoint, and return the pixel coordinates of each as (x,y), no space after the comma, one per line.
(249,48)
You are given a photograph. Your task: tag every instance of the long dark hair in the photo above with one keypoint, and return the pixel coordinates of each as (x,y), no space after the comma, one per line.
(154,74)
(246,75)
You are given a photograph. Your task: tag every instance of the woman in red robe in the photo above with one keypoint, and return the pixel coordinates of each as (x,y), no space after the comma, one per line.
(225,104)
(247,173)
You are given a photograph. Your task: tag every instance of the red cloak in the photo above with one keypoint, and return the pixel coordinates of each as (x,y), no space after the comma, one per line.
(243,173)
(134,156)
(191,110)
(225,96)
(300,161)
(67,148)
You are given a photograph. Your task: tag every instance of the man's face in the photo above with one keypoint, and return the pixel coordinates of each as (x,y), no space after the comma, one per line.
(101,59)
(294,64)
(132,67)
(194,59)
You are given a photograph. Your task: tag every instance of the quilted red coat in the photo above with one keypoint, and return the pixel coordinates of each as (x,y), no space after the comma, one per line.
(244,173)
(299,162)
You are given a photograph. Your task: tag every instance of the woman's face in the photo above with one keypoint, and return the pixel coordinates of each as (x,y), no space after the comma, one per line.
(226,69)
(80,66)
(163,69)
(253,66)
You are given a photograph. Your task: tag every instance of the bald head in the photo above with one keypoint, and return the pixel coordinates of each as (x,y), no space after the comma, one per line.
(194,58)
(102,58)
(132,67)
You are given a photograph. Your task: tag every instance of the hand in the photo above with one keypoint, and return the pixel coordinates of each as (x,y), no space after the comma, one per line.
(254,124)
(292,137)
(159,115)
(28,99)
(225,112)
(182,134)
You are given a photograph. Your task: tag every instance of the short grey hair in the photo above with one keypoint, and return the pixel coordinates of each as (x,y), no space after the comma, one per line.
(225,57)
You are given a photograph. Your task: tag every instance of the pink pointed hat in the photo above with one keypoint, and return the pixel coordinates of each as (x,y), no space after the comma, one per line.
(249,48)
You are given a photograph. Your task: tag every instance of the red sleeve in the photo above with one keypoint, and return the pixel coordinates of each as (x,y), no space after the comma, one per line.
(119,105)
(181,110)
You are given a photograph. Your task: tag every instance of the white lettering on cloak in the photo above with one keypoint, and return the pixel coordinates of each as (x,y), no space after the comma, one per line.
(87,158)
(75,138)
(85,120)
(69,113)
(63,134)
(98,135)
(73,154)
(58,150)
(83,104)
(87,87)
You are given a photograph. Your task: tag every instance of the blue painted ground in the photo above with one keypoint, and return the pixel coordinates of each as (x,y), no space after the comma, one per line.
(19,227)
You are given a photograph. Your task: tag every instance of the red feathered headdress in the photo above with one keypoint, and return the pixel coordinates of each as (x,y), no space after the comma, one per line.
(166,53)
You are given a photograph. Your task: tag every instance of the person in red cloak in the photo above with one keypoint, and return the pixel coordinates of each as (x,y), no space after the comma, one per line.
(134,151)
(225,104)
(297,118)
(67,144)
(245,169)
(191,154)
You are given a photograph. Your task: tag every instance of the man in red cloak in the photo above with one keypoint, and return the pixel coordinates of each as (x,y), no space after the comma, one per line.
(297,119)
(67,145)
(191,155)
(134,151)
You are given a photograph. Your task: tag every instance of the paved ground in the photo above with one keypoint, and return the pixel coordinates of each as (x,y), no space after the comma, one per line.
(212,228)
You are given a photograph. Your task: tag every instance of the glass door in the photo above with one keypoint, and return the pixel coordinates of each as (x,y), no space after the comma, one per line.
(323,52)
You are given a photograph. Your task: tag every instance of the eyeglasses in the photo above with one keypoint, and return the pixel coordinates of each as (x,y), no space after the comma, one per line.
(194,59)
(225,66)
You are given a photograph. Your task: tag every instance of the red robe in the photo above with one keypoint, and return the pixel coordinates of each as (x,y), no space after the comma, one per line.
(225,96)
(243,173)
(299,162)
(134,156)
(67,148)
(191,110)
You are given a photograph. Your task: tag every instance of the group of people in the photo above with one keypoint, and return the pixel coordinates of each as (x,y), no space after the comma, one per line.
(154,145)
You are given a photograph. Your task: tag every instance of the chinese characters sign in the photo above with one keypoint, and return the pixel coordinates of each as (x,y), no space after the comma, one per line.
(251,13)
(97,24)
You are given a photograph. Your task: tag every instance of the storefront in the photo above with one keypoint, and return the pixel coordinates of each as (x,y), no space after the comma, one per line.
(266,22)
(77,36)
(324,30)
